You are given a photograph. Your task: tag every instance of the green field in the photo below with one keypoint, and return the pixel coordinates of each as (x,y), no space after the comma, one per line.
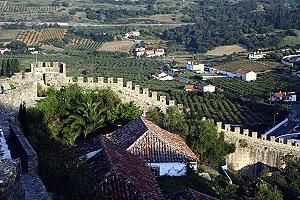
(261,88)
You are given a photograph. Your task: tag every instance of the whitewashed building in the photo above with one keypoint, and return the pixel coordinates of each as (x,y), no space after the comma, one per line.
(162,76)
(207,88)
(246,75)
(256,55)
(164,152)
(3,50)
(196,67)
(284,97)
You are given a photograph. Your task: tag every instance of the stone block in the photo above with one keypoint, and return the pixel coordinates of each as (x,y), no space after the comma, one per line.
(264,137)
(246,132)
(281,140)
(227,128)
(163,99)
(100,80)
(272,138)
(129,85)
(90,79)
(171,102)
(154,95)
(237,130)
(80,79)
(289,142)
(110,80)
(219,126)
(120,82)
(137,89)
(146,92)
(254,135)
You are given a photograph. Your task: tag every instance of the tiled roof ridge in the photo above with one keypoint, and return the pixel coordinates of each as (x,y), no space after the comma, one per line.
(112,169)
(176,147)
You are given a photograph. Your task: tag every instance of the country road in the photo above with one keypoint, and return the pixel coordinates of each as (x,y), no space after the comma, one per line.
(91,25)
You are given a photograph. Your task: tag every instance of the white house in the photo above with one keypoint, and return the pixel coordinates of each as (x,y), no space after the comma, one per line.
(162,76)
(207,88)
(165,153)
(284,96)
(132,34)
(194,66)
(246,75)
(256,55)
(141,51)
(3,50)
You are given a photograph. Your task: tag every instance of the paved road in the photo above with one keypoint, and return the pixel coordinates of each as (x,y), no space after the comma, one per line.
(291,124)
(91,24)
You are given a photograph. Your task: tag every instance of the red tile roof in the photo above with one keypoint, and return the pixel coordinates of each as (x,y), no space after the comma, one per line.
(123,175)
(243,71)
(190,194)
(144,138)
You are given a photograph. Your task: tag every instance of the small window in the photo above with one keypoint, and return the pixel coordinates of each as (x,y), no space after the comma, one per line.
(155,171)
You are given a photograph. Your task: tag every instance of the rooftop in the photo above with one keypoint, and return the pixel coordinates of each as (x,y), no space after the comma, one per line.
(154,144)
(124,175)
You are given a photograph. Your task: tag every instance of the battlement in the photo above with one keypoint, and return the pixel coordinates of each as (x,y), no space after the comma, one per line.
(234,131)
(127,88)
(48,67)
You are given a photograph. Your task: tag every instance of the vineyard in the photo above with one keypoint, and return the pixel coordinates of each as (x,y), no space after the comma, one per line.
(256,66)
(262,87)
(5,7)
(83,44)
(221,108)
(117,46)
(36,36)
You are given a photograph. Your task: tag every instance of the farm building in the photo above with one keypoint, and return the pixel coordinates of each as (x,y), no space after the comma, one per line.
(165,153)
(207,88)
(284,97)
(132,34)
(120,174)
(191,88)
(162,76)
(3,50)
(196,67)
(141,51)
(246,75)
(256,55)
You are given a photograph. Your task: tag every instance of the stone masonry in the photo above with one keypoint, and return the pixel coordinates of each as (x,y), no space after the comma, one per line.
(250,148)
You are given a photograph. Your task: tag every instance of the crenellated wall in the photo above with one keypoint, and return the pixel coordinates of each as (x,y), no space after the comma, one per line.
(252,148)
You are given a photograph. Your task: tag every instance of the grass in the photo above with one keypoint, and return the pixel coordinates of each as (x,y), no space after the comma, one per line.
(226,50)
(290,41)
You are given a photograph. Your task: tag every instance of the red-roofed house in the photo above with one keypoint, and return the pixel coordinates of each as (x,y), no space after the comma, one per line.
(3,50)
(246,75)
(166,153)
(191,88)
(121,175)
(284,96)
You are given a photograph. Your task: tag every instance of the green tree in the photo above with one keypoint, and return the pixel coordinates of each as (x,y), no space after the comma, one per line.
(266,191)
(87,117)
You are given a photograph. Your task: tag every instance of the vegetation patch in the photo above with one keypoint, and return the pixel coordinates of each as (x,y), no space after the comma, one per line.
(226,50)
(117,46)
(256,66)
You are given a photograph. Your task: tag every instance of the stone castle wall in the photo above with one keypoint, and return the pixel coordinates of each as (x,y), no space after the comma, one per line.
(250,148)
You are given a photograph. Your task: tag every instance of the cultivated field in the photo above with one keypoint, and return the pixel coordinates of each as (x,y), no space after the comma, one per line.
(6,7)
(32,36)
(117,46)
(83,45)
(256,66)
(226,50)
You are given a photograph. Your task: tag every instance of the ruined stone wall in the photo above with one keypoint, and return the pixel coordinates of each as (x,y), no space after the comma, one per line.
(252,149)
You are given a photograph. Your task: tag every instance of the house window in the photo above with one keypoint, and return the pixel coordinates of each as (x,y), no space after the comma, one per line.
(155,170)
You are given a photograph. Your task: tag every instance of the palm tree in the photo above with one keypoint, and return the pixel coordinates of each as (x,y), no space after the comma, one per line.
(87,117)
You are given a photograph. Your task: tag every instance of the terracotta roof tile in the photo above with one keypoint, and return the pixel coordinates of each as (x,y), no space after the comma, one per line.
(123,175)
(144,138)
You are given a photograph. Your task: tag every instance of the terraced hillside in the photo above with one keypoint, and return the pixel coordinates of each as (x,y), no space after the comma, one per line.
(83,44)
